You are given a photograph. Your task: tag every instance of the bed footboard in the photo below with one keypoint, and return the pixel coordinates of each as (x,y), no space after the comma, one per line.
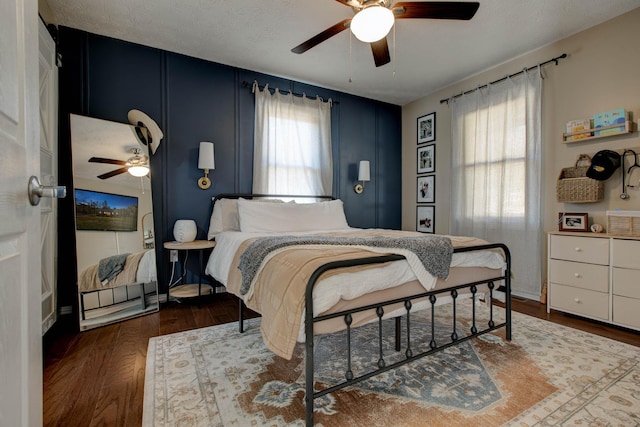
(432,296)
(96,303)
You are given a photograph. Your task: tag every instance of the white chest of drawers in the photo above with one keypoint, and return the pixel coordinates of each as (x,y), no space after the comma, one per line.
(595,276)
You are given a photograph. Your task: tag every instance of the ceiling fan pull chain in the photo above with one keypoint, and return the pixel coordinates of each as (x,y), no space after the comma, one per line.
(395,53)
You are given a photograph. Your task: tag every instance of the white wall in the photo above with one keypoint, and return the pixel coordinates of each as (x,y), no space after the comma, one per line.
(601,72)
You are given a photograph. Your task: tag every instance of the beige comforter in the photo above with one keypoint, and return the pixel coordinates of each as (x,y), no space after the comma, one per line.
(89,281)
(278,292)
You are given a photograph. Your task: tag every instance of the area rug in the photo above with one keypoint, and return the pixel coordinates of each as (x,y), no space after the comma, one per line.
(548,375)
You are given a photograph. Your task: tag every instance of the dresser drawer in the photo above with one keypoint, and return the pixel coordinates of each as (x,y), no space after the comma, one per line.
(626,253)
(592,250)
(626,283)
(581,275)
(579,301)
(626,311)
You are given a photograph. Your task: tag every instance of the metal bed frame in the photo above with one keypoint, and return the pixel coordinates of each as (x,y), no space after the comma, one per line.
(350,379)
(143,294)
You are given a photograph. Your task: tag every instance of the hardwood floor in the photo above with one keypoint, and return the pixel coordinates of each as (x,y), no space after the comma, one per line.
(96,378)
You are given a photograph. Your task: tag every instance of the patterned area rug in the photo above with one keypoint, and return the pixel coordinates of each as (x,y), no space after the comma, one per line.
(547,375)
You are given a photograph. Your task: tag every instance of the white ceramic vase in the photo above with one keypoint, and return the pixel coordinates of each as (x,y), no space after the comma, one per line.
(185,230)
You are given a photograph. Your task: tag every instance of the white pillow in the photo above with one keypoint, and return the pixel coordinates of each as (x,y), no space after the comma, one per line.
(225,216)
(282,217)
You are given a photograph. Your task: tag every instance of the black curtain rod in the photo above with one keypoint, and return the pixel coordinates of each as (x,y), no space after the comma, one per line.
(261,87)
(564,55)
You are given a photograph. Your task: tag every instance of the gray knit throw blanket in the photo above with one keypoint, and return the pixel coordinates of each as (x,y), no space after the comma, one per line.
(434,252)
(110,267)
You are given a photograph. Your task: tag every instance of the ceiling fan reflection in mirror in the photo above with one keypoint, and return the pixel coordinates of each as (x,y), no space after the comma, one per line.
(374,19)
(138,165)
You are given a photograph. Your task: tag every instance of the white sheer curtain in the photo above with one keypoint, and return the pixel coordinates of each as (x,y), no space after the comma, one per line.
(292,144)
(497,175)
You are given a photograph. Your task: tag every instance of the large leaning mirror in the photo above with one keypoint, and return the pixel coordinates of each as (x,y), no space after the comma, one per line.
(117,277)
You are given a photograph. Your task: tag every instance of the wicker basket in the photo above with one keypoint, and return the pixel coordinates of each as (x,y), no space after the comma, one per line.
(623,223)
(574,186)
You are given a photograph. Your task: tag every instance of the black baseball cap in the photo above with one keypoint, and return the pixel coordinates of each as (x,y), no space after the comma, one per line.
(603,165)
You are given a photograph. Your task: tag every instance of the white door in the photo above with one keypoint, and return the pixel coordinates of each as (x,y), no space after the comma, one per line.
(48,172)
(20,295)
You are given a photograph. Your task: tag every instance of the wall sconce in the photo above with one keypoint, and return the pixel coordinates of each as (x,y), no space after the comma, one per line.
(206,161)
(363,175)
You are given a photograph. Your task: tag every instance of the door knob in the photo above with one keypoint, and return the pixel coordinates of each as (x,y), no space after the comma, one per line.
(36,191)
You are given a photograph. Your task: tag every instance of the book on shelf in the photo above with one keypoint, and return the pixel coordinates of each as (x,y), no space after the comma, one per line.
(577,126)
(609,118)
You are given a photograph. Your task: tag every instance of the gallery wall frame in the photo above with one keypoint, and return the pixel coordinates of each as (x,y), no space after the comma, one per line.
(570,221)
(426,189)
(425,219)
(427,159)
(427,128)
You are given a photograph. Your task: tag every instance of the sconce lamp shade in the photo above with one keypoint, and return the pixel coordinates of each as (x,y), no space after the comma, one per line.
(206,161)
(363,171)
(206,158)
(363,175)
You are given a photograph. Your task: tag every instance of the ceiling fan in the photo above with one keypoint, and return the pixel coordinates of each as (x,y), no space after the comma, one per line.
(138,165)
(374,18)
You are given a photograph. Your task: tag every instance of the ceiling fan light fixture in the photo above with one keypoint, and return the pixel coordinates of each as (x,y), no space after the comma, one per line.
(138,170)
(372,23)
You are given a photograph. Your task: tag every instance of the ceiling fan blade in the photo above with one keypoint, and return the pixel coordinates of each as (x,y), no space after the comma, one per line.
(319,38)
(113,173)
(108,161)
(380,51)
(435,10)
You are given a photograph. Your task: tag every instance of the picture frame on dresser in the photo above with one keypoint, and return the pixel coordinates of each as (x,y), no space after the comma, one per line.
(571,221)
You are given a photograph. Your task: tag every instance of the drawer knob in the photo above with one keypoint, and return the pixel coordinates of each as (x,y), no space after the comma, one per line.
(578,250)
(576,299)
(576,274)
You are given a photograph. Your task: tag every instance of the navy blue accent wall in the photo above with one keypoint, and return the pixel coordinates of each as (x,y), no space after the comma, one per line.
(194,100)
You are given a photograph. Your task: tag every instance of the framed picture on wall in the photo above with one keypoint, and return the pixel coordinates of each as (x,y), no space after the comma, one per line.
(425,219)
(426,189)
(427,128)
(569,221)
(427,159)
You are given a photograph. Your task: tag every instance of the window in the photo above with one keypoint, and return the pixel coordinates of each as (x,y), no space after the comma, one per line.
(292,148)
(494,177)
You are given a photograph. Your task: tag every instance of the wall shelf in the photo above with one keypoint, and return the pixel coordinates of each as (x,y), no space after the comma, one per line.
(628,128)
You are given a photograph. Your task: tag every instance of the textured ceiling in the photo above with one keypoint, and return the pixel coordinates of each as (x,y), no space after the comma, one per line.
(259,34)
